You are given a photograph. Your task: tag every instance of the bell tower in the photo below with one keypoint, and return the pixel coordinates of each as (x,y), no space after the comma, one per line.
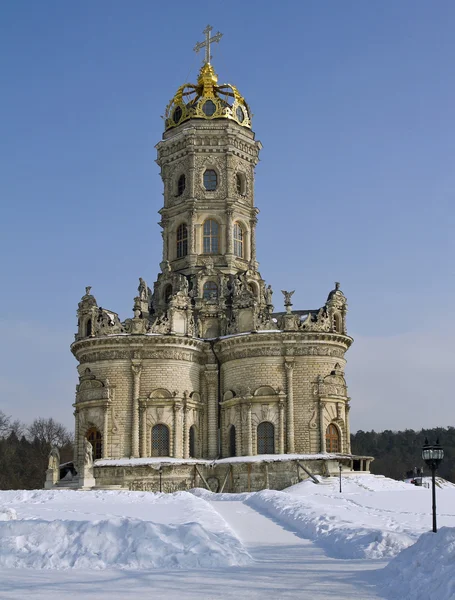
(207,159)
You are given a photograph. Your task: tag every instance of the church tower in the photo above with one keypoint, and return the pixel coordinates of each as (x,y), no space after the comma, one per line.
(206,369)
(207,159)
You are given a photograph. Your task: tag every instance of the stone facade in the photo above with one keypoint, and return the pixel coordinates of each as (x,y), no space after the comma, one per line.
(206,368)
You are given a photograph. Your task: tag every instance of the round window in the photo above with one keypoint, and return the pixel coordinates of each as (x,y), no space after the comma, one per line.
(209,108)
(240,115)
(177,115)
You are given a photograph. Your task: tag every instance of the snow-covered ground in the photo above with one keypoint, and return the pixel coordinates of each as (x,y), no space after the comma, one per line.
(308,541)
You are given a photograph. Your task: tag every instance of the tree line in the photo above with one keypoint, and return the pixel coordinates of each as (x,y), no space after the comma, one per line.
(24,451)
(398,452)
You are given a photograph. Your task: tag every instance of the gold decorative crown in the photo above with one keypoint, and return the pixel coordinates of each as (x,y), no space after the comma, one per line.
(207,100)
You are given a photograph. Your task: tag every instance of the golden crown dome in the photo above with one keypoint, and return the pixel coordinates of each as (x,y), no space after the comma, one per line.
(207,100)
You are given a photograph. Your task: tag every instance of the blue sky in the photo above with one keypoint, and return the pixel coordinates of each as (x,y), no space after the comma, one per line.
(353,102)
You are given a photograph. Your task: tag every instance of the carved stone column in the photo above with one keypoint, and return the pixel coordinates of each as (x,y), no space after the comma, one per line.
(289,365)
(143,419)
(104,452)
(186,432)
(281,426)
(347,409)
(76,437)
(164,235)
(321,425)
(136,368)
(238,432)
(253,223)
(229,227)
(191,232)
(178,430)
(249,432)
(212,410)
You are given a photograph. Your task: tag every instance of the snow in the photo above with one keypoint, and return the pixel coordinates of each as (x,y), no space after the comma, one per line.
(306,542)
(426,570)
(131,462)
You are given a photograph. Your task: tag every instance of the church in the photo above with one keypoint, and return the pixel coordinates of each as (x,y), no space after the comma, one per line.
(207,383)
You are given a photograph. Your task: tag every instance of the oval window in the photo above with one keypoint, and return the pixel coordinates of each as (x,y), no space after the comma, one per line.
(240,114)
(210,180)
(177,115)
(209,108)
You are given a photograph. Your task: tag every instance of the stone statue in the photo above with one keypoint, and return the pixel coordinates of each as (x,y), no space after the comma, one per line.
(54,458)
(88,454)
(143,290)
(287,297)
(268,295)
(87,290)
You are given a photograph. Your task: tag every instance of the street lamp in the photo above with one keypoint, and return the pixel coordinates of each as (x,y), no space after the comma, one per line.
(433,455)
(160,471)
(339,466)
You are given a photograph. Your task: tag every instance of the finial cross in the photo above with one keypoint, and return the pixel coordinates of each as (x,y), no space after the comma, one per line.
(208,40)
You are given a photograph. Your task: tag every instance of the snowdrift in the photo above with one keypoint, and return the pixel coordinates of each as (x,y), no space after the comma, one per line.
(339,539)
(115,543)
(424,571)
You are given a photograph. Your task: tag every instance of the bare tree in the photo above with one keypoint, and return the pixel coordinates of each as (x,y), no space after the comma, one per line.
(49,432)
(5,425)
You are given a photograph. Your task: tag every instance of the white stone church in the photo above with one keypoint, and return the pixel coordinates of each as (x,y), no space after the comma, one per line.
(207,384)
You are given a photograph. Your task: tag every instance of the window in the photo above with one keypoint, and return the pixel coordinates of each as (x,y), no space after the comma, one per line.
(209,108)
(210,180)
(192,441)
(266,438)
(238,240)
(160,440)
(88,328)
(94,437)
(337,323)
(240,183)
(182,240)
(210,291)
(232,449)
(332,439)
(167,293)
(181,183)
(210,237)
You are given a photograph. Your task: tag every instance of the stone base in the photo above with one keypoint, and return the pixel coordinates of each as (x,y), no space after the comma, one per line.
(52,477)
(235,475)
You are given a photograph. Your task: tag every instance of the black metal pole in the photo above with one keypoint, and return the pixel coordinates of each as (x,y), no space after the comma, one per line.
(433,491)
(161,472)
(340,478)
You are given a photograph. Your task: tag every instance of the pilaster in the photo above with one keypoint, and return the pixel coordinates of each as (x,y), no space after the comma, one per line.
(289,367)
(137,369)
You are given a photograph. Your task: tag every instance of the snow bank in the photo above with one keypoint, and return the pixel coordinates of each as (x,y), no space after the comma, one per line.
(340,539)
(426,570)
(8,514)
(119,543)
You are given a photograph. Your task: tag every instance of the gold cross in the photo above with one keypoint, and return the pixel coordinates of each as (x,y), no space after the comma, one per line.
(207,42)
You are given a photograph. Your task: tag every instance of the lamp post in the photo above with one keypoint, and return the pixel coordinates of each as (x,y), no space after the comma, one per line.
(339,466)
(433,454)
(160,471)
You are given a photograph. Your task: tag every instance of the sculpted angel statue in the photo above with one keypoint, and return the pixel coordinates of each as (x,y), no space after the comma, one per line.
(287,297)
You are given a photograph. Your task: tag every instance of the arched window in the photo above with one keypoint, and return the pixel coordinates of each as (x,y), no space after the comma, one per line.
(240,183)
(88,328)
(266,438)
(192,441)
(232,449)
(94,437)
(182,240)
(337,323)
(160,440)
(211,237)
(167,293)
(181,184)
(332,439)
(238,240)
(210,180)
(210,290)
